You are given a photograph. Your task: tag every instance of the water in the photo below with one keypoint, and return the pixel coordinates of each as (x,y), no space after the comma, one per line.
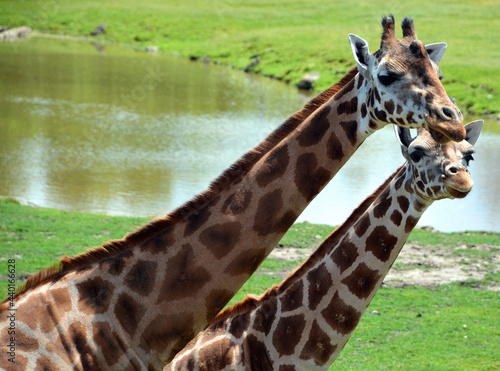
(110,130)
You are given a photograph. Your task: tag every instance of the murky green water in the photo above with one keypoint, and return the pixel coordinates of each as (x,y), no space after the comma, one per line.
(111,130)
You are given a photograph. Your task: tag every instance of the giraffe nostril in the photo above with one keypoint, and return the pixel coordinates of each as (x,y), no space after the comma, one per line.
(448,113)
(452,170)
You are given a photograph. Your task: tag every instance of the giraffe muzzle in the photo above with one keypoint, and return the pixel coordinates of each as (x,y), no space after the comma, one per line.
(458,182)
(445,123)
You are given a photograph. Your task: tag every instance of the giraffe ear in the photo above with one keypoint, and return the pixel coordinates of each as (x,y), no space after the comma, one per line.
(436,51)
(404,138)
(361,53)
(472,130)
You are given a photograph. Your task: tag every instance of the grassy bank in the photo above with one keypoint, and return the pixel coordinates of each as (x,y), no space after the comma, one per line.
(299,36)
(447,327)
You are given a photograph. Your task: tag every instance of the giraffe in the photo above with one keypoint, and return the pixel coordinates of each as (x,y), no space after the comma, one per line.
(304,322)
(137,301)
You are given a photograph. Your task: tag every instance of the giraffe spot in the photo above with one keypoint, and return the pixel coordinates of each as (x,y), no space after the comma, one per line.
(259,356)
(246,262)
(345,254)
(399,182)
(409,118)
(372,124)
(381,208)
(216,355)
(237,202)
(268,209)
(320,281)
(380,114)
(350,129)
(274,166)
(94,295)
(109,342)
(399,109)
(401,121)
(348,107)
(309,178)
(315,131)
(411,222)
(169,331)
(361,80)
(184,276)
(239,324)
(196,220)
(44,363)
(21,362)
(376,94)
(389,106)
(421,186)
(293,298)
(363,110)
(220,239)
(24,343)
(403,203)
(265,315)
(288,333)
(117,263)
(419,206)
(216,300)
(381,243)
(340,316)
(128,312)
(159,242)
(396,218)
(318,347)
(334,148)
(435,189)
(141,277)
(362,225)
(287,368)
(78,335)
(362,281)
(345,90)
(423,176)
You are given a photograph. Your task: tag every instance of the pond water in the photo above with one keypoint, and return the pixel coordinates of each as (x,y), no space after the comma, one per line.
(106,129)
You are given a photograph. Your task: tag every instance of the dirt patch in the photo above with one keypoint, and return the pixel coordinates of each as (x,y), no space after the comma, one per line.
(426,266)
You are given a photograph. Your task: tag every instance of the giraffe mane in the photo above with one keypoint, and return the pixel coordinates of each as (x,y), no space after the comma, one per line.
(230,175)
(252,301)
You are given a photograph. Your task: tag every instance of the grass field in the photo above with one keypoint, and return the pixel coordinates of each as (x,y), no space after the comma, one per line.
(301,35)
(446,327)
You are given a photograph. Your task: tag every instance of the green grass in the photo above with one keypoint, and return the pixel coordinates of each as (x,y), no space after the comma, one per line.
(304,36)
(410,328)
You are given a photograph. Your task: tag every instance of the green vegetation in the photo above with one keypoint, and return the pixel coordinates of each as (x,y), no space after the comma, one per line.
(447,327)
(303,36)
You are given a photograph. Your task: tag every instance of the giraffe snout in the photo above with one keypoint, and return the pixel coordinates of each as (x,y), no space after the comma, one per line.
(457,180)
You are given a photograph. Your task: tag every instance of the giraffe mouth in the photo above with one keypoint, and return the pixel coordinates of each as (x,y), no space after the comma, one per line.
(457,193)
(444,130)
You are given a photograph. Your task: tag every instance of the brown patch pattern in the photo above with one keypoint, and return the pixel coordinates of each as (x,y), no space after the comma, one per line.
(345,254)
(381,243)
(196,220)
(362,225)
(309,178)
(288,334)
(265,315)
(246,262)
(381,208)
(109,342)
(340,316)
(215,356)
(320,282)
(128,312)
(239,324)
(186,279)
(237,202)
(268,209)
(315,131)
(350,129)
(396,218)
(259,355)
(334,148)
(362,281)
(220,239)
(318,346)
(94,295)
(293,298)
(141,277)
(216,300)
(274,166)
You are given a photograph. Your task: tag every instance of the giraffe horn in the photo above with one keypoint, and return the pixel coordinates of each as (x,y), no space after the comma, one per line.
(408,28)
(389,34)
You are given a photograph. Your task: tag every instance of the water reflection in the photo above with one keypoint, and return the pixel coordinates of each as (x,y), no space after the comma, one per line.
(124,132)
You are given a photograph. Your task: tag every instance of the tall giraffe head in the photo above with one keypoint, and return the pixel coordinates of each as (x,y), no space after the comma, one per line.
(403,83)
(439,170)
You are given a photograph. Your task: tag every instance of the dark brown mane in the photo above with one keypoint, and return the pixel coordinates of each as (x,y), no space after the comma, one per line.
(234,172)
(251,301)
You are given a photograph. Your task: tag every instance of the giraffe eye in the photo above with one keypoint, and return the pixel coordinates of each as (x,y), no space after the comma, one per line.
(416,156)
(387,78)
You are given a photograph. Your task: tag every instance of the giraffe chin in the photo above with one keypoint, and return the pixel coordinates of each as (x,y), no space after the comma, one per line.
(456,193)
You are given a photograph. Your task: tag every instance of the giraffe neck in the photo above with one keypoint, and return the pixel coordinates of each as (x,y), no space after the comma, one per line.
(163,285)
(306,321)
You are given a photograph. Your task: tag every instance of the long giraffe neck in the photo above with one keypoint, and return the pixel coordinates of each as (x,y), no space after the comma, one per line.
(305,322)
(143,298)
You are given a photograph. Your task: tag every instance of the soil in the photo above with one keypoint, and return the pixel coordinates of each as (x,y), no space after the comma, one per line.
(427,265)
